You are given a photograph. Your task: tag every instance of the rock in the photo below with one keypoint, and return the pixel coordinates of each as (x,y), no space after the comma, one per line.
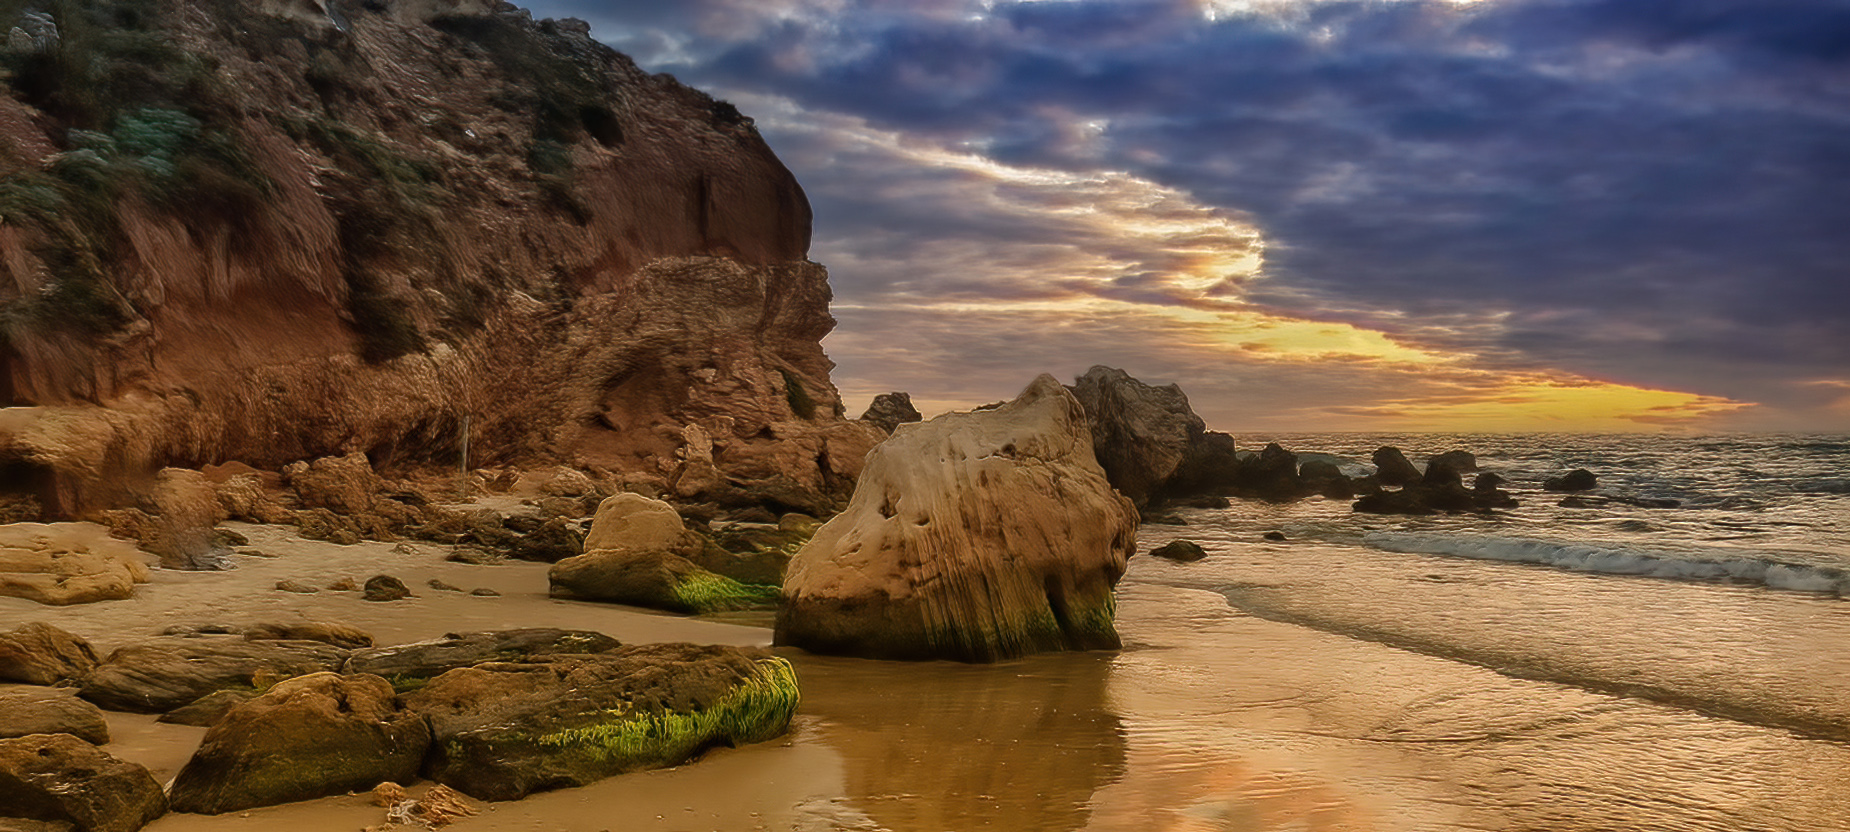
(208,709)
(1323,477)
(185,507)
(637,553)
(311,736)
(439,807)
(60,778)
(1487,481)
(1210,467)
(473,554)
(51,711)
(484,592)
(405,663)
(243,497)
(287,585)
(1160,518)
(567,482)
(162,674)
(552,541)
(698,477)
(1440,473)
(442,586)
(1185,551)
(1464,462)
(1274,536)
(1601,500)
(339,635)
(1486,494)
(1140,433)
(402,548)
(341,484)
(1392,467)
(37,653)
(1579,479)
(503,731)
(386,588)
(974,536)
(757,553)
(67,563)
(890,410)
(1201,501)
(344,585)
(1272,476)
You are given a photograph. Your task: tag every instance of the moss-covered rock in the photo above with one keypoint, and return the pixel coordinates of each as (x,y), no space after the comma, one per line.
(655,579)
(408,666)
(162,674)
(308,737)
(503,731)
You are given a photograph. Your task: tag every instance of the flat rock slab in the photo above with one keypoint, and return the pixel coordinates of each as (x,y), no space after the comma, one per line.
(162,674)
(37,653)
(425,659)
(308,737)
(60,778)
(51,711)
(503,731)
(68,563)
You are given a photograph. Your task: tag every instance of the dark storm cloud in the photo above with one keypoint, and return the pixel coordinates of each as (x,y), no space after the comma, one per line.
(1650,190)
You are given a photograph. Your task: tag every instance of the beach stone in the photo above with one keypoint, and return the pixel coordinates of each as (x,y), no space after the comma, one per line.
(442,586)
(503,731)
(386,588)
(1275,537)
(207,709)
(287,585)
(1392,467)
(1579,479)
(974,536)
(552,541)
(339,635)
(59,778)
(890,410)
(637,553)
(484,592)
(162,674)
(37,653)
(51,711)
(475,555)
(1185,551)
(344,585)
(1140,433)
(426,659)
(307,737)
(59,564)
(341,484)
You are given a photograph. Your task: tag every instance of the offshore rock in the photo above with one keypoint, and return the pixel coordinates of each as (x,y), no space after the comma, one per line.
(1140,434)
(637,553)
(1392,467)
(37,653)
(890,410)
(1579,479)
(307,737)
(974,536)
(67,563)
(163,674)
(62,779)
(503,731)
(1184,551)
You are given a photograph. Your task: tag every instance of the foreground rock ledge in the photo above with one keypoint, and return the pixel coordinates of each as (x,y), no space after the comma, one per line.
(974,536)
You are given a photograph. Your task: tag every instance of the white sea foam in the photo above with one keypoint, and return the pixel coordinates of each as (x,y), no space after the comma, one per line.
(1610,560)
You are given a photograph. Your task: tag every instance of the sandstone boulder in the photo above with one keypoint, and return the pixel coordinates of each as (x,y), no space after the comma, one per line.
(503,731)
(974,536)
(162,674)
(637,553)
(67,563)
(1140,433)
(51,711)
(37,653)
(341,484)
(60,778)
(339,635)
(406,664)
(890,410)
(207,709)
(311,736)
(184,506)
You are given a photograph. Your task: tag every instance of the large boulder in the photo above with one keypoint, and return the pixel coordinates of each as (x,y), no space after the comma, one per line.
(51,711)
(974,536)
(637,553)
(890,410)
(62,779)
(503,731)
(341,484)
(68,563)
(308,737)
(1393,468)
(162,674)
(407,665)
(185,507)
(1140,434)
(37,653)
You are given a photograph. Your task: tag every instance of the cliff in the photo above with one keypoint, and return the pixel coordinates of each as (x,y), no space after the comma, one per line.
(277,230)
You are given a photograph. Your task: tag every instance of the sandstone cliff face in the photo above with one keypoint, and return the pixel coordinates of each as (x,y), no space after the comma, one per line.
(289,229)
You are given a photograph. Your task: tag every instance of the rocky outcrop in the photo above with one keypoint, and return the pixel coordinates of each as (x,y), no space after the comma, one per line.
(426,229)
(308,737)
(162,674)
(503,731)
(1579,479)
(51,711)
(61,779)
(1393,468)
(67,563)
(637,553)
(890,410)
(1140,434)
(974,536)
(406,665)
(37,653)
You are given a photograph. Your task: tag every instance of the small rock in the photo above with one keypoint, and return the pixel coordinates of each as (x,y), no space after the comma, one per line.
(344,585)
(228,538)
(1185,551)
(1579,479)
(295,586)
(388,793)
(386,588)
(343,537)
(402,548)
(485,592)
(1274,536)
(476,555)
(437,583)
(215,629)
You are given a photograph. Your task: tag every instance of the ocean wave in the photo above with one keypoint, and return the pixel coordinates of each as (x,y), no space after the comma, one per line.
(1580,557)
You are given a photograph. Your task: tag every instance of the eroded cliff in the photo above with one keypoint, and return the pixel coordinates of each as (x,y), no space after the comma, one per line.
(286,229)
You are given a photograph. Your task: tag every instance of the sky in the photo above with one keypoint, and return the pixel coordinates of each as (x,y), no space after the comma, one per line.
(1394,215)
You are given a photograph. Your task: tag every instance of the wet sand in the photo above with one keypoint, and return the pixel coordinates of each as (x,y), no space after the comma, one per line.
(1209,719)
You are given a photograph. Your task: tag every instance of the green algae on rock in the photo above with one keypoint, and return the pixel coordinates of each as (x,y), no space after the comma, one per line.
(504,731)
(637,552)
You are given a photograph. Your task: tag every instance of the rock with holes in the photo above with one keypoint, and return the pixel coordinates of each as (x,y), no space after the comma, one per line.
(307,737)
(974,536)
(502,731)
